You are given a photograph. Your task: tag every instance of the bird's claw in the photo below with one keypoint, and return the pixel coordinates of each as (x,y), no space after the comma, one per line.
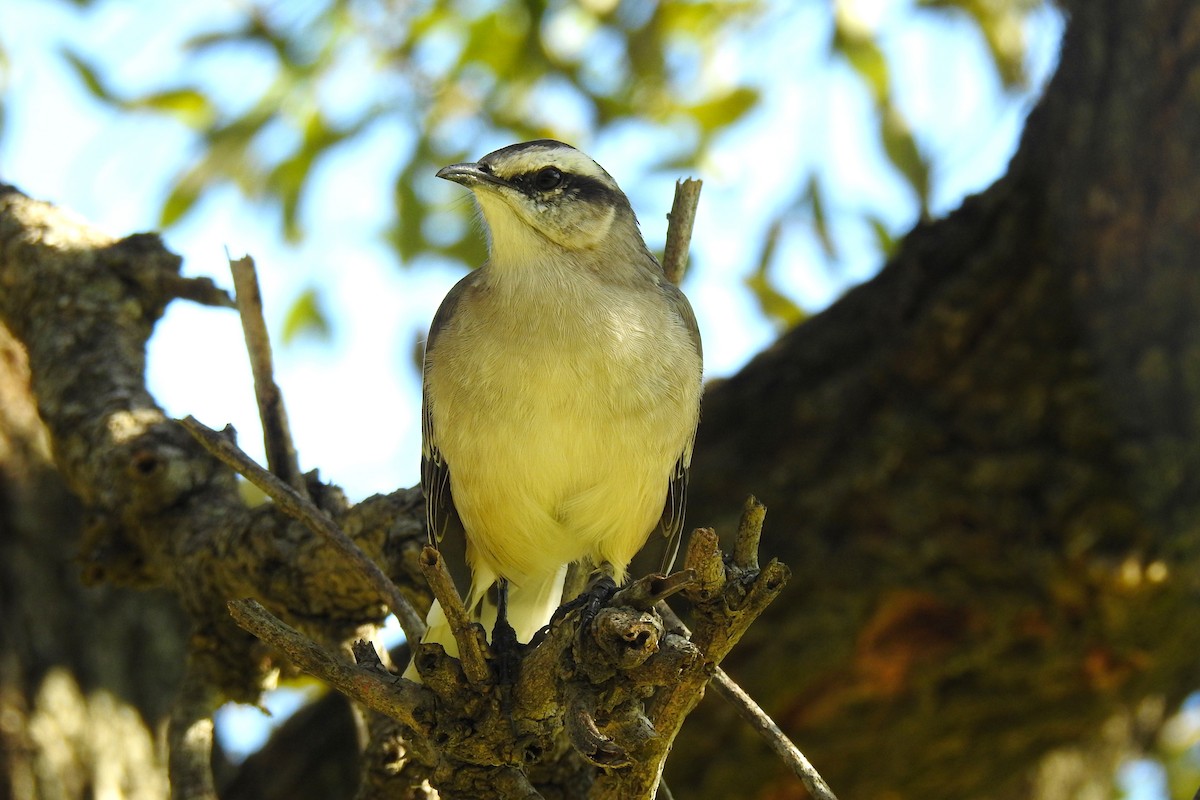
(589,602)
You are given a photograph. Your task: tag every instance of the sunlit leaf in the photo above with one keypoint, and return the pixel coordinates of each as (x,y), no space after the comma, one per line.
(306,317)
(405,234)
(776,306)
(814,196)
(723,111)
(883,237)
(1002,27)
(189,106)
(864,57)
(179,202)
(704,19)
(901,149)
(88,75)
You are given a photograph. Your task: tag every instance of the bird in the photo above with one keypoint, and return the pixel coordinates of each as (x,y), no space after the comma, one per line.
(561,389)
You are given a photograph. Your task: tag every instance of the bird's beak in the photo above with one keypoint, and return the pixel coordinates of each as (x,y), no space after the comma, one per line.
(469,174)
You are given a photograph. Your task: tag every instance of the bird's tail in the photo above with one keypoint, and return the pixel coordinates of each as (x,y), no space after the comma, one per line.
(531,604)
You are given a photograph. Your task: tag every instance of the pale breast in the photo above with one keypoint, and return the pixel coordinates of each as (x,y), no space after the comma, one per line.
(560,419)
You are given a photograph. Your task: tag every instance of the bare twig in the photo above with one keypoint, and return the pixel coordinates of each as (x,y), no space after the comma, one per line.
(199,290)
(302,509)
(374,687)
(759,720)
(646,591)
(749,532)
(679,228)
(190,739)
(778,741)
(470,649)
(277,436)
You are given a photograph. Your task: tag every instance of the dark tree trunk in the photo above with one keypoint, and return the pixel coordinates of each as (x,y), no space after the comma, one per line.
(983,465)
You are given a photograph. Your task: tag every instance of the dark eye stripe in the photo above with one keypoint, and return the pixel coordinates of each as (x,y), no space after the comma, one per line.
(580,187)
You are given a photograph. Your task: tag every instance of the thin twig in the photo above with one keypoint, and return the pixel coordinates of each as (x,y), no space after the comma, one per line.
(302,509)
(749,533)
(759,720)
(198,290)
(470,651)
(374,687)
(679,228)
(277,436)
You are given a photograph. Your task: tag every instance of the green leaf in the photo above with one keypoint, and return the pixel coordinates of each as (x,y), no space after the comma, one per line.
(189,106)
(1002,27)
(725,109)
(89,76)
(775,305)
(406,235)
(179,202)
(306,318)
(814,198)
(901,149)
(864,57)
(883,237)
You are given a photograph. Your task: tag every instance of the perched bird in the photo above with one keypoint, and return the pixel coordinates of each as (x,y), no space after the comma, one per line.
(561,390)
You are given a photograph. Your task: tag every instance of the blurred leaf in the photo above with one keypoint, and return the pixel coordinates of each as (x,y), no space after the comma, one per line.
(864,57)
(405,234)
(814,198)
(88,75)
(497,40)
(776,306)
(306,318)
(725,110)
(1002,27)
(189,106)
(287,180)
(901,149)
(883,238)
(705,18)
(179,202)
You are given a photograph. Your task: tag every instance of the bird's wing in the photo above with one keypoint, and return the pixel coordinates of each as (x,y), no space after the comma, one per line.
(445,528)
(673,509)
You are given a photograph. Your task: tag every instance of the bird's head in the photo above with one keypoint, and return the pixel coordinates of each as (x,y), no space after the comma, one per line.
(545,191)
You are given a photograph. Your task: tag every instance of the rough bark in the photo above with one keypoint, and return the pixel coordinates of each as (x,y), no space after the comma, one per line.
(983,465)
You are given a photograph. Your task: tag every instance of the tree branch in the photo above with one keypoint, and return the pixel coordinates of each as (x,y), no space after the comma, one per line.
(373,686)
(679,228)
(318,522)
(467,634)
(277,435)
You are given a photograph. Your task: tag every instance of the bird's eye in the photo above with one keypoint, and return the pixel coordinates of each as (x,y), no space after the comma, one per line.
(547,178)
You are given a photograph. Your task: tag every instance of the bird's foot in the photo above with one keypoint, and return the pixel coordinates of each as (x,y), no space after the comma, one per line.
(506,648)
(590,600)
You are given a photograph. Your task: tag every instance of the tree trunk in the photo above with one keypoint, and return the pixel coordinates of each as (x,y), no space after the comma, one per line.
(983,465)
(86,673)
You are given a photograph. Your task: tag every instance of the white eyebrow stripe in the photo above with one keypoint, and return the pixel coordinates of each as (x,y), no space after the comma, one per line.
(534,158)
